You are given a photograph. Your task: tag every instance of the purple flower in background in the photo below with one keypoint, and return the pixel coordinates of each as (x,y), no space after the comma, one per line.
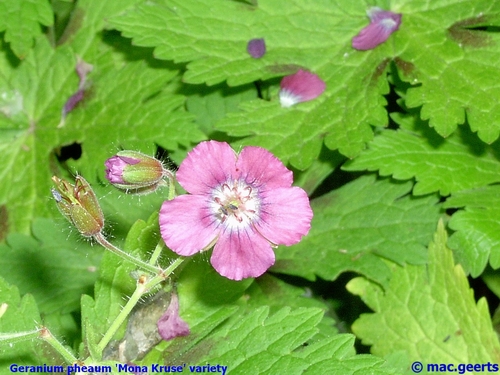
(256,48)
(382,24)
(170,325)
(82,69)
(300,87)
(72,102)
(243,203)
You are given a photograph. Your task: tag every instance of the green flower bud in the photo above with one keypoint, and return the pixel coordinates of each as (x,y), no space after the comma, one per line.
(79,205)
(135,172)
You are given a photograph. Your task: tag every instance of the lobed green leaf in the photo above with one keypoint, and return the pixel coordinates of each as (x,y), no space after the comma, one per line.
(476,239)
(449,165)
(22,20)
(357,225)
(428,312)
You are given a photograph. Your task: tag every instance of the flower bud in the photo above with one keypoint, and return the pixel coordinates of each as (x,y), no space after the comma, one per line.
(135,172)
(79,205)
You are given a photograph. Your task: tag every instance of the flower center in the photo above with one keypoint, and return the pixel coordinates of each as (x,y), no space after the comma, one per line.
(235,203)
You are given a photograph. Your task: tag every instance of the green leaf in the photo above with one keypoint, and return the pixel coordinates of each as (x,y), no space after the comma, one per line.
(216,51)
(450,72)
(312,178)
(136,113)
(210,105)
(48,266)
(21,315)
(356,225)
(121,112)
(21,19)
(25,147)
(270,291)
(87,21)
(297,34)
(428,311)
(460,162)
(273,344)
(179,31)
(125,112)
(477,235)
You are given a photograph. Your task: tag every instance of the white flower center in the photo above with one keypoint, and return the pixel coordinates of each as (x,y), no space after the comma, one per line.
(235,204)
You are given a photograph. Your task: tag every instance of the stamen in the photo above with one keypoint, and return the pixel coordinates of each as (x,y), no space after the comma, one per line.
(235,201)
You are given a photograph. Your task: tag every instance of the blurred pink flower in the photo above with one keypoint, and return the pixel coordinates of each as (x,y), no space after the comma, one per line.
(82,69)
(171,325)
(256,48)
(300,87)
(382,24)
(243,203)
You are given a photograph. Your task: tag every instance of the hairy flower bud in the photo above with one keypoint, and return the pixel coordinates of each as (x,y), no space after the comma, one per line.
(135,172)
(79,205)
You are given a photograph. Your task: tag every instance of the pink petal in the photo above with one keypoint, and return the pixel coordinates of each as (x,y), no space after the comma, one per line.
(256,48)
(209,164)
(382,25)
(170,325)
(242,253)
(129,160)
(82,69)
(285,215)
(186,224)
(114,169)
(72,102)
(257,166)
(300,87)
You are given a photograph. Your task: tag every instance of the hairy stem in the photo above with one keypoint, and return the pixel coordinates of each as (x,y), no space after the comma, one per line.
(156,253)
(139,263)
(143,285)
(47,336)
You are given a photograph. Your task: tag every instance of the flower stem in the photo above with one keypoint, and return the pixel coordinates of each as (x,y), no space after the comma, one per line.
(139,263)
(171,186)
(142,287)
(49,338)
(156,253)
(167,271)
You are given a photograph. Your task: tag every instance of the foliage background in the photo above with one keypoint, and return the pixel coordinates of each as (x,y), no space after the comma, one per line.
(400,156)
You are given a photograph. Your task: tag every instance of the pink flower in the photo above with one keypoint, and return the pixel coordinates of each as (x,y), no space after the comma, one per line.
(171,325)
(300,87)
(243,203)
(382,24)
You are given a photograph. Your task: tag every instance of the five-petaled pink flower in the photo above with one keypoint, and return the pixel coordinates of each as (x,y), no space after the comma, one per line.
(300,87)
(243,203)
(382,24)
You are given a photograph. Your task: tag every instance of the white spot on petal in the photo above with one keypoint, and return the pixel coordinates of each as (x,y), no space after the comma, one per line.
(287,99)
